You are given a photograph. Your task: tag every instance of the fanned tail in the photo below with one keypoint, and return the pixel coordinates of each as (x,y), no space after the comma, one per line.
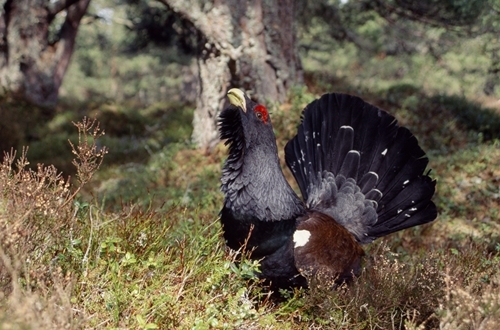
(354,162)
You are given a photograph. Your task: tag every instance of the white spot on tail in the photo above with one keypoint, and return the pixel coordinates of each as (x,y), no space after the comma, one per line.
(413,209)
(384,152)
(301,237)
(406,182)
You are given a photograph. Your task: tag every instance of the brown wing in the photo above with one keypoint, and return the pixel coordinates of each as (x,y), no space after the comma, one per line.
(326,251)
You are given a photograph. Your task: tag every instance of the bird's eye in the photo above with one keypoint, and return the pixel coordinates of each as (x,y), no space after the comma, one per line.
(261,113)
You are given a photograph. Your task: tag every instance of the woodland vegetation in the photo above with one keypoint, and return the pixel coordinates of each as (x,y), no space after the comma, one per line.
(109,208)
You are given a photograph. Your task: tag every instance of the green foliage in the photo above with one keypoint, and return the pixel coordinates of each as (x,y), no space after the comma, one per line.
(152,23)
(375,43)
(19,121)
(472,115)
(452,119)
(103,67)
(449,12)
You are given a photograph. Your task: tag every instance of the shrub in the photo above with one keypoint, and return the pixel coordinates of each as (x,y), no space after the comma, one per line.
(37,213)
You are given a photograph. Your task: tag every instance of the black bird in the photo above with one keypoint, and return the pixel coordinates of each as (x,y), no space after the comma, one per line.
(360,174)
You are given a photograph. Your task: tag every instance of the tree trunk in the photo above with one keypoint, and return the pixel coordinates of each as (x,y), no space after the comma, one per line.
(31,65)
(248,44)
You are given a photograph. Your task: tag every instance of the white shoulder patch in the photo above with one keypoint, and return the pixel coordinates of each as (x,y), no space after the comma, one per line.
(301,237)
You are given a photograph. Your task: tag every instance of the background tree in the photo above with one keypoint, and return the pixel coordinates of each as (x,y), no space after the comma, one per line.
(37,40)
(403,28)
(248,44)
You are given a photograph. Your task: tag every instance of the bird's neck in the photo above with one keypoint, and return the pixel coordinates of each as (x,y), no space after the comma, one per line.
(257,188)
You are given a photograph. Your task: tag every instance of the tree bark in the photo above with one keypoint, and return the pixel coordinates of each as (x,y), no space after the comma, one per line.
(247,44)
(31,65)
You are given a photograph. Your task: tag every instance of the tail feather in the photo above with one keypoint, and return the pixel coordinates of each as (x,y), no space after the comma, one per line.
(368,182)
(303,170)
(374,195)
(403,161)
(376,138)
(350,165)
(345,140)
(353,140)
(402,222)
(408,202)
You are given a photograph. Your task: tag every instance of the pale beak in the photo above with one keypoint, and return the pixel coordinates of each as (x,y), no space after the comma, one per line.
(237,98)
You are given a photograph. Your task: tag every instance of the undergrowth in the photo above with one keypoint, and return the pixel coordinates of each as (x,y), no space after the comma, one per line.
(37,217)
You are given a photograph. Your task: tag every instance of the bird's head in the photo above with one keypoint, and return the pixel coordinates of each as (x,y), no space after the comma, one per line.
(245,121)
(238,99)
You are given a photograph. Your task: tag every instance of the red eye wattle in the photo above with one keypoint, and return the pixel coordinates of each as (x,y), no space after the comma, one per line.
(261,113)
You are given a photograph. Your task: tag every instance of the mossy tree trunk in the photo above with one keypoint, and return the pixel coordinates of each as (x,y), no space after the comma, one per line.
(34,51)
(247,44)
